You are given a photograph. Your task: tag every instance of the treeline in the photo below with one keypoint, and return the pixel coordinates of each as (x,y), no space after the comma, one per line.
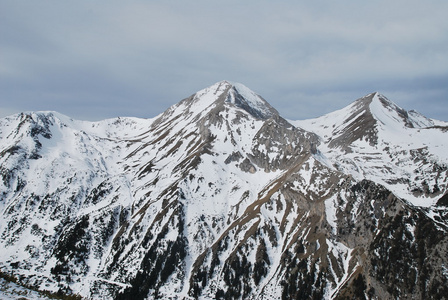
(58,295)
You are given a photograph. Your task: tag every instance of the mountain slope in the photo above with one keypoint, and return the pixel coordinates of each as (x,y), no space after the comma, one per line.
(373,138)
(220,197)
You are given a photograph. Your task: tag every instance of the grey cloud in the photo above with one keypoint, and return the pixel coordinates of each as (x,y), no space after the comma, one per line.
(88,59)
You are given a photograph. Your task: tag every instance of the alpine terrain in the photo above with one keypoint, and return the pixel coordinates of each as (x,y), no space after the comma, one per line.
(220,197)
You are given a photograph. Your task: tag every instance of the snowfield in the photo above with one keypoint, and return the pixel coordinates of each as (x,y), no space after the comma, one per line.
(219,197)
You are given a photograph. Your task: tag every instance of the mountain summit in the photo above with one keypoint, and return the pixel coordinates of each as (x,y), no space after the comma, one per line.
(225,94)
(388,113)
(376,139)
(244,98)
(363,120)
(220,197)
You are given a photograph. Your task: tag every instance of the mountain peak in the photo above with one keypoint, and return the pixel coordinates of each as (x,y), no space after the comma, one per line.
(219,95)
(390,114)
(240,96)
(244,98)
(222,198)
(363,120)
(369,99)
(377,109)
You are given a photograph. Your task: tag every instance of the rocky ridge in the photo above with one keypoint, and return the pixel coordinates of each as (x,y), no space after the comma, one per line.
(220,197)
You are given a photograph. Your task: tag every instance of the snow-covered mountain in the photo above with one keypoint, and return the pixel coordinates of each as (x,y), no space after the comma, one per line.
(220,197)
(375,139)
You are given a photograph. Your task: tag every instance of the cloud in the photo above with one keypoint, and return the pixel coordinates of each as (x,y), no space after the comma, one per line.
(103,59)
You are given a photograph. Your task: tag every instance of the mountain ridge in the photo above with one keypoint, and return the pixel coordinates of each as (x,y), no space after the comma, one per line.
(221,197)
(366,140)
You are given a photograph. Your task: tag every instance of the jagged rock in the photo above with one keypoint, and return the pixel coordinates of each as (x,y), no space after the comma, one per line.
(220,197)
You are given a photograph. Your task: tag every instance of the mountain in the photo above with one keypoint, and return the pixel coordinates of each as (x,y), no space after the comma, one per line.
(219,197)
(373,138)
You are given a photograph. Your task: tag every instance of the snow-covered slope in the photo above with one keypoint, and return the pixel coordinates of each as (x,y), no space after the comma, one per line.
(375,139)
(220,197)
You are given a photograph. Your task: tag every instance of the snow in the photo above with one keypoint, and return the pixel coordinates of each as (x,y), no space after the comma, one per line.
(206,97)
(330,212)
(254,100)
(386,115)
(445,271)
(142,164)
(393,157)
(11,290)
(340,250)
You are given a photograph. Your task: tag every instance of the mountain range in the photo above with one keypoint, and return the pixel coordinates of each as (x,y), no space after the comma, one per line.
(220,197)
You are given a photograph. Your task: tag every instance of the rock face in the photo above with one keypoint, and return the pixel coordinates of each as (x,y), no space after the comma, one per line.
(220,197)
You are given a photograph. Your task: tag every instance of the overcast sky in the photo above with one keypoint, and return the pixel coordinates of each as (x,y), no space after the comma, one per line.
(93,60)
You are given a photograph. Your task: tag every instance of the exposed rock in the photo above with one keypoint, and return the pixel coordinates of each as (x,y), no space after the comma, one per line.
(221,198)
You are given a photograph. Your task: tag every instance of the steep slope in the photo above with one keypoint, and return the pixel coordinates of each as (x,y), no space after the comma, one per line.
(219,159)
(218,197)
(373,138)
(55,176)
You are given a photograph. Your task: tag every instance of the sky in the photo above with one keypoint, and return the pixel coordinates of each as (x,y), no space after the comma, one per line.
(93,60)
